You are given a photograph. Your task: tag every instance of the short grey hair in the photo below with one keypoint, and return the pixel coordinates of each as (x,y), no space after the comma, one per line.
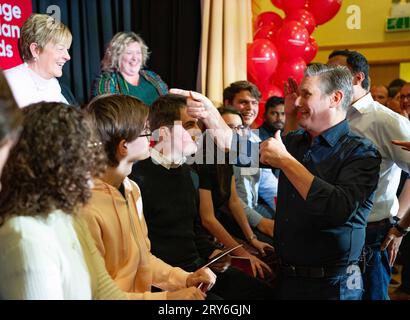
(116,48)
(333,78)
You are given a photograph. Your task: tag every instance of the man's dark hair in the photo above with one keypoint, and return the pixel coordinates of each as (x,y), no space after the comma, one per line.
(397,83)
(273,102)
(356,62)
(166,110)
(230,110)
(238,86)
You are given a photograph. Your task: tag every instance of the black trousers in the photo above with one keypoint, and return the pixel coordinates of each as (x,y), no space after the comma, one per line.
(234,284)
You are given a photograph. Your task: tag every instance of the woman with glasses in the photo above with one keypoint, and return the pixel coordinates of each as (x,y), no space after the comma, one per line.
(115,212)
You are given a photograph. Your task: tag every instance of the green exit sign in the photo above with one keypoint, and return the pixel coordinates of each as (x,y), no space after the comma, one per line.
(398,24)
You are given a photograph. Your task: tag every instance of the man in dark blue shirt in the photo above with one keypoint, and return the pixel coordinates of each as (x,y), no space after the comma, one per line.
(328,175)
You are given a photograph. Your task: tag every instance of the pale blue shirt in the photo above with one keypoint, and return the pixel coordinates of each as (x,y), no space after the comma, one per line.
(252,183)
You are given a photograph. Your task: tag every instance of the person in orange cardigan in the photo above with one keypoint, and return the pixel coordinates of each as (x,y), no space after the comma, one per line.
(114,214)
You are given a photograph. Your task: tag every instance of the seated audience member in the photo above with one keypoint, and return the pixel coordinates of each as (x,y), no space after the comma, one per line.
(114,212)
(244,96)
(380,93)
(10,121)
(43,46)
(274,118)
(122,70)
(46,251)
(221,210)
(259,217)
(170,191)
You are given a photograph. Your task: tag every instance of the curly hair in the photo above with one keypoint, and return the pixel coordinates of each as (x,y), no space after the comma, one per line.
(117,46)
(10,113)
(52,164)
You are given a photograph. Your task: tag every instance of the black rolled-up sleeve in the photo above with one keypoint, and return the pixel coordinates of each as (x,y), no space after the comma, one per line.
(337,201)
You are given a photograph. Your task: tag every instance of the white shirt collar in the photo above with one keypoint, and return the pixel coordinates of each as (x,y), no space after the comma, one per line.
(159,158)
(364,104)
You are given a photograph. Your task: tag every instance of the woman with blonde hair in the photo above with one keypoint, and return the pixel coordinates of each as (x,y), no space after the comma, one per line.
(122,70)
(43,45)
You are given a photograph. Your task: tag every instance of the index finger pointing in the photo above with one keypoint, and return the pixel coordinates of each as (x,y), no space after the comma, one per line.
(181,92)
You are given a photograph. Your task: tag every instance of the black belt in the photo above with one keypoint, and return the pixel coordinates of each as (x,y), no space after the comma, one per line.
(378,224)
(313,272)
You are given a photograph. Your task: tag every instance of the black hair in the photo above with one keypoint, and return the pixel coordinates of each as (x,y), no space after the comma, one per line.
(273,102)
(356,62)
(238,86)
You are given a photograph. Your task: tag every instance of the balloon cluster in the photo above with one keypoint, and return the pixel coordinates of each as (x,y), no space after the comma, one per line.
(282,48)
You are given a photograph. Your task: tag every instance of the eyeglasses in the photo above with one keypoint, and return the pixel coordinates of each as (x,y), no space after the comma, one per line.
(146,133)
(404,96)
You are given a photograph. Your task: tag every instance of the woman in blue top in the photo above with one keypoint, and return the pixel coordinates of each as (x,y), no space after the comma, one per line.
(121,70)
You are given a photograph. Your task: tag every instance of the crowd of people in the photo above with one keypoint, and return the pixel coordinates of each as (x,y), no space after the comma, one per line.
(131,195)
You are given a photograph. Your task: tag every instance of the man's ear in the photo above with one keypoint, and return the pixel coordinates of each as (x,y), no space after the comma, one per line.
(227,102)
(336,98)
(122,150)
(164,132)
(358,78)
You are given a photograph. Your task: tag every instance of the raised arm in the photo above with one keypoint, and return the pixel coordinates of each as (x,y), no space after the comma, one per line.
(200,107)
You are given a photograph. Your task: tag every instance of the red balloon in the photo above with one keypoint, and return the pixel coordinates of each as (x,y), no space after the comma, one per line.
(268,19)
(292,5)
(266,32)
(278,3)
(323,10)
(262,59)
(303,16)
(310,50)
(291,40)
(294,68)
(270,91)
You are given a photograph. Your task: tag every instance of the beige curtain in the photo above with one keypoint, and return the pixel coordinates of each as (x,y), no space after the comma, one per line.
(226,31)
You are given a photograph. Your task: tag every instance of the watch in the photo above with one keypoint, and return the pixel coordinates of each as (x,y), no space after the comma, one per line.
(402,230)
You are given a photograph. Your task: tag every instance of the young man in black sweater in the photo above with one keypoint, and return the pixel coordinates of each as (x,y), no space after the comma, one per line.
(170,192)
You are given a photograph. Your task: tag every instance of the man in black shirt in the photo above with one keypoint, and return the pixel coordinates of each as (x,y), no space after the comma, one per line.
(327,179)
(170,192)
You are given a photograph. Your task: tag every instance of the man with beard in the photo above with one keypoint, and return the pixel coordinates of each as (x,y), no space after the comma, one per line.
(274,118)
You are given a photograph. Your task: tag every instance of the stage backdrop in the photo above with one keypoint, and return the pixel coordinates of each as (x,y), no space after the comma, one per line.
(171,29)
(12,15)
